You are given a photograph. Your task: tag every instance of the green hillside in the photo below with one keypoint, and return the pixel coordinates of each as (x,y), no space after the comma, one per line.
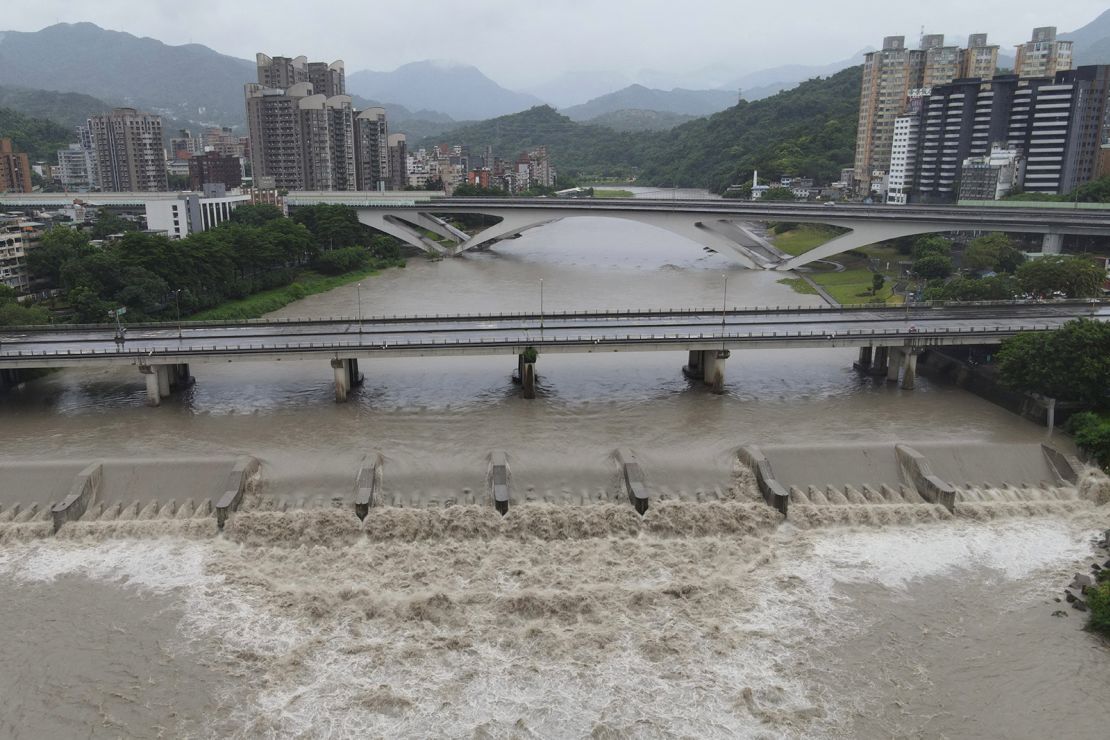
(807,131)
(67,109)
(39,138)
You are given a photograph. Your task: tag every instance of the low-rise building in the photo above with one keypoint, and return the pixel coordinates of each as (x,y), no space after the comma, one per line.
(991,177)
(189,213)
(15,169)
(17,237)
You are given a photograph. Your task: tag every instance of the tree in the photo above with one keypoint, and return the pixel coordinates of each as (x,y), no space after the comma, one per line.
(930,245)
(1069,364)
(57,246)
(983,252)
(933,266)
(13,313)
(1074,276)
(994,288)
(256,214)
(878,280)
(108,223)
(777,193)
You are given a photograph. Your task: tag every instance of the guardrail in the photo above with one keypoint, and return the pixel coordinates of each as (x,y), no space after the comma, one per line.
(585,313)
(147,355)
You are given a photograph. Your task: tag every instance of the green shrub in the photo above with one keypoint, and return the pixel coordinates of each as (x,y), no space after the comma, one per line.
(1098,600)
(339,261)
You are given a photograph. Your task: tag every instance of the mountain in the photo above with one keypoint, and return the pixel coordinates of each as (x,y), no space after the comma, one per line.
(66,109)
(574,147)
(638,97)
(1091,43)
(577,86)
(640,120)
(460,91)
(766,82)
(191,82)
(809,130)
(39,138)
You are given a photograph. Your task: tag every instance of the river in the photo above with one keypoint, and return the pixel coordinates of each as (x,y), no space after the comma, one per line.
(722,623)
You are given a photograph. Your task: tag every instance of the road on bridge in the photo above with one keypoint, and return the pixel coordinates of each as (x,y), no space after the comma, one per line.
(558,332)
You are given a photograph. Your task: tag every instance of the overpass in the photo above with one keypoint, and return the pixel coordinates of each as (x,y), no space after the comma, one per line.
(716,224)
(889,338)
(416,218)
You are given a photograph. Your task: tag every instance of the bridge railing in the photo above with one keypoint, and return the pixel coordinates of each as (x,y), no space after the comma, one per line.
(150,355)
(583,313)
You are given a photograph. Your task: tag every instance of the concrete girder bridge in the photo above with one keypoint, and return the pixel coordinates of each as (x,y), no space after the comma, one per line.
(720,225)
(889,339)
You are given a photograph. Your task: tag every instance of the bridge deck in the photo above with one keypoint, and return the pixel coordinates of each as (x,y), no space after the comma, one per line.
(552,333)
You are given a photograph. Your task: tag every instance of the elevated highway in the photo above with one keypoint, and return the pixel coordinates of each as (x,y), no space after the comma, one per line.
(165,352)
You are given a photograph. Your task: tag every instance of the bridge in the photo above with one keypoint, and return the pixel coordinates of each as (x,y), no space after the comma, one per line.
(417,218)
(720,225)
(889,338)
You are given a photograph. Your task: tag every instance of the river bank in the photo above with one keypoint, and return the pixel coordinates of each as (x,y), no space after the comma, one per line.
(308,283)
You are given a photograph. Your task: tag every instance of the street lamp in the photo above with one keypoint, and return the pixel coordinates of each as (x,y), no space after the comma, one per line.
(177,304)
(541,307)
(724,309)
(358,288)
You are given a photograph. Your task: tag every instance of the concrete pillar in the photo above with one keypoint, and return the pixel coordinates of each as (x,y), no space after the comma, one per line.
(354,376)
(1052,243)
(879,363)
(528,379)
(864,362)
(693,368)
(153,394)
(342,380)
(910,375)
(894,364)
(713,362)
(163,374)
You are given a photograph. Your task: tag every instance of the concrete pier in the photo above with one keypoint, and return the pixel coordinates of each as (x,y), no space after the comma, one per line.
(918,471)
(83,492)
(774,493)
(526,371)
(499,481)
(894,364)
(863,364)
(880,361)
(707,366)
(368,484)
(240,478)
(632,478)
(909,375)
(1052,243)
(342,379)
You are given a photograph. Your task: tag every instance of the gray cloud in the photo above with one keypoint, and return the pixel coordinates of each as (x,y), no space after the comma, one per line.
(522,42)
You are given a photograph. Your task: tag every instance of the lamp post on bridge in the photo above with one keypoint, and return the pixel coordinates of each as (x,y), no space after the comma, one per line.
(358,288)
(541,308)
(724,309)
(177,305)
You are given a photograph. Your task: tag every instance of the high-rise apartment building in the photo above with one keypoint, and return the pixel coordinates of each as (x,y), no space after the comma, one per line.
(128,150)
(15,169)
(889,76)
(1051,131)
(303,126)
(214,168)
(979,59)
(372,149)
(1043,55)
(398,161)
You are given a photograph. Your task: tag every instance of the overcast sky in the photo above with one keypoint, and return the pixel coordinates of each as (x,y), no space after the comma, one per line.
(521,43)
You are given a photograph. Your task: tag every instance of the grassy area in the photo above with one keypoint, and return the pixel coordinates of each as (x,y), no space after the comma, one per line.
(804,237)
(253,306)
(613,193)
(799,285)
(854,286)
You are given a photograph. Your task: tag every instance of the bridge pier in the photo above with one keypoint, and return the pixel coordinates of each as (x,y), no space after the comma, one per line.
(909,375)
(10,378)
(863,364)
(526,371)
(894,364)
(880,361)
(708,366)
(1052,243)
(346,376)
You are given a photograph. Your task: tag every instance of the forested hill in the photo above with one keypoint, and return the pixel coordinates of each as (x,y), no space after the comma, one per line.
(807,131)
(39,138)
(574,147)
